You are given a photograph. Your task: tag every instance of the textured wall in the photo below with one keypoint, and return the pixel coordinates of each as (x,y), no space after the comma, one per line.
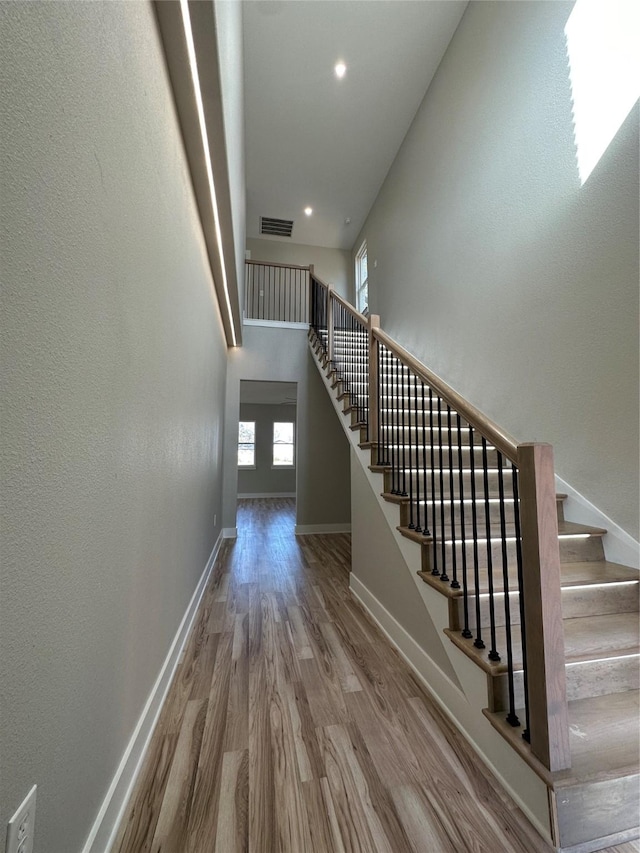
(322,470)
(113,385)
(332,265)
(510,280)
(378,563)
(264,479)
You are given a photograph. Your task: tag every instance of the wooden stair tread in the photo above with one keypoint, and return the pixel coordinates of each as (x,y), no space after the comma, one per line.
(598,571)
(571,528)
(603,737)
(611,635)
(586,638)
(571,574)
(394,499)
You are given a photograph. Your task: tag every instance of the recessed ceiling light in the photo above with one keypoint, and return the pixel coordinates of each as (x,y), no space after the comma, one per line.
(308,211)
(340,69)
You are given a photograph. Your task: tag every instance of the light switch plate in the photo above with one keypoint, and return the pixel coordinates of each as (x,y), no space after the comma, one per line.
(20,829)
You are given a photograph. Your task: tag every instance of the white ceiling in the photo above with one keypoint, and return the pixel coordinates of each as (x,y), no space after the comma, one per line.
(312,139)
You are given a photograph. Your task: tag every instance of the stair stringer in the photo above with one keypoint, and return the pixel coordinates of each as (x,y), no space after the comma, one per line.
(463,702)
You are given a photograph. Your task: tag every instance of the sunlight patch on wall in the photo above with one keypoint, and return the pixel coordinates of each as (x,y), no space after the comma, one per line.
(603,44)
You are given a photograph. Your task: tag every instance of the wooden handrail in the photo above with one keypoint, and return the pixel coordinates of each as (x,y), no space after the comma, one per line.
(273,264)
(319,280)
(364,321)
(501,439)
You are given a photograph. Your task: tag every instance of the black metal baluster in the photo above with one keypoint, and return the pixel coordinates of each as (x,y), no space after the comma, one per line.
(512,718)
(434,544)
(410,454)
(455,584)
(523,629)
(443,542)
(395,449)
(352,366)
(367,366)
(379,360)
(478,642)
(401,402)
(425,529)
(493,653)
(466,633)
(418,526)
(387,434)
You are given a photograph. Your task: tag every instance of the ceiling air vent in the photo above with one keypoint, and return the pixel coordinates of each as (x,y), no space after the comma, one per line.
(276,227)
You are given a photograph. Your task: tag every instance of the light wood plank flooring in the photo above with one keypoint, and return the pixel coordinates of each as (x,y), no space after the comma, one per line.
(293,727)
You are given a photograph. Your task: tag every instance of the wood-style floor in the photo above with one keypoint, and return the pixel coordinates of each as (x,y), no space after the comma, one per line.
(292,725)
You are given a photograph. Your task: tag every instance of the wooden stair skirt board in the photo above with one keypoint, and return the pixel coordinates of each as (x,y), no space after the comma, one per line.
(594,804)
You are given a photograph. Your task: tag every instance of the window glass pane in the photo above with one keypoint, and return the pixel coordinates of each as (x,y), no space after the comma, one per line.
(363,268)
(283,444)
(283,454)
(283,432)
(246,455)
(247,432)
(246,443)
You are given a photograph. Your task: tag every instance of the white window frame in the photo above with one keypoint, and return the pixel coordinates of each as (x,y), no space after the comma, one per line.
(362,283)
(274,464)
(247,444)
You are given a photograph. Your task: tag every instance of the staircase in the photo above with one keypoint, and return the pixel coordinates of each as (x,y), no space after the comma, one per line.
(560,648)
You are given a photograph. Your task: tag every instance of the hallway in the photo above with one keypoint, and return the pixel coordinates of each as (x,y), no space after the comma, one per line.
(293,726)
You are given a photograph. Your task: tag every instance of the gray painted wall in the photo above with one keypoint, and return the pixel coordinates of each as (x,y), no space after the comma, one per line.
(113,386)
(496,268)
(378,563)
(322,473)
(333,266)
(264,479)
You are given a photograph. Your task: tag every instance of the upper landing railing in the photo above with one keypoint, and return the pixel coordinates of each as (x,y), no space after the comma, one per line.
(483,504)
(276,292)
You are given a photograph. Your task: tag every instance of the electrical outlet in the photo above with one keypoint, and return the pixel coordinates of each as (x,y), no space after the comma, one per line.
(20,827)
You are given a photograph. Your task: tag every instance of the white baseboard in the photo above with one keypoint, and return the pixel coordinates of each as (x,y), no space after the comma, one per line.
(619,546)
(267,495)
(105,827)
(310,529)
(229,533)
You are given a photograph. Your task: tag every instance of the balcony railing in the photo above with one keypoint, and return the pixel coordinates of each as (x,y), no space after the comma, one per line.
(276,292)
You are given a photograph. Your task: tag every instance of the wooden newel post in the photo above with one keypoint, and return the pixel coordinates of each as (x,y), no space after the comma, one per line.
(548,714)
(374,323)
(330,325)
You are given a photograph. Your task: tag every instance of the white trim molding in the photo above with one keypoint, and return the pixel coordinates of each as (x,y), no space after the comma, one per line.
(267,495)
(311,529)
(229,533)
(619,546)
(105,827)
(276,324)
